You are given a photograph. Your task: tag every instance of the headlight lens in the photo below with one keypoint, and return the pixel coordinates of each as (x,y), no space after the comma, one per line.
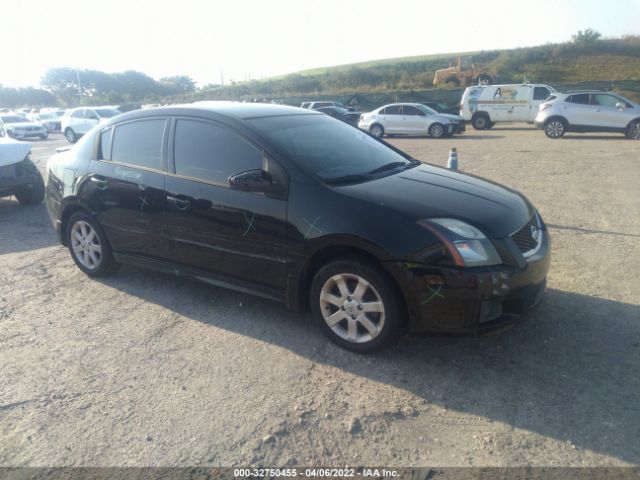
(468,246)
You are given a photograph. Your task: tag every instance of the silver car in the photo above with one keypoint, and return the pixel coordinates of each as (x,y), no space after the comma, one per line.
(410,119)
(588,111)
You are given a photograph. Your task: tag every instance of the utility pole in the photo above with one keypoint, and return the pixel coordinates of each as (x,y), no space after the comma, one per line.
(79,87)
(221,77)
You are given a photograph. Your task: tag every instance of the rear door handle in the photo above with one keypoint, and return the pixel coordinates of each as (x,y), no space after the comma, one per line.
(100,182)
(179,203)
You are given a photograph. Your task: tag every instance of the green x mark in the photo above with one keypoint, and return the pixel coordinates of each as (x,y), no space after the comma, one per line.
(250,225)
(434,293)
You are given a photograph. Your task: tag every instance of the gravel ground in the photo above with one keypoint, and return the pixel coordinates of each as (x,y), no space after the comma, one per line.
(144,369)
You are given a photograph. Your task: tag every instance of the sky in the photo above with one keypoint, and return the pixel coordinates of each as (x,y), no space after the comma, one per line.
(257,39)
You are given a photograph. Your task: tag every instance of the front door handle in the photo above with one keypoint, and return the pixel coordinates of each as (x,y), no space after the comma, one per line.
(179,203)
(100,182)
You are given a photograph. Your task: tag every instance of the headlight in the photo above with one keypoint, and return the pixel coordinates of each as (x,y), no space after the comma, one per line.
(468,246)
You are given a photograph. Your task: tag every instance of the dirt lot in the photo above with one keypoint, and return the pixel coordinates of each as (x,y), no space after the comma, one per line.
(145,369)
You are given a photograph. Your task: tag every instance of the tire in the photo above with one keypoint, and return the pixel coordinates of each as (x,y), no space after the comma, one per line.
(34,194)
(490,125)
(437,130)
(633,130)
(484,79)
(84,234)
(376,130)
(340,293)
(452,82)
(480,121)
(43,137)
(10,134)
(71,135)
(555,128)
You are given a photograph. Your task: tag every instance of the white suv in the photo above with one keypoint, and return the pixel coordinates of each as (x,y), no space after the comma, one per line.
(588,111)
(410,119)
(78,121)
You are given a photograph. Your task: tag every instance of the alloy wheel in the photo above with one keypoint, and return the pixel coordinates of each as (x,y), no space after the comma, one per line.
(376,131)
(437,130)
(352,308)
(70,136)
(85,244)
(635,131)
(555,129)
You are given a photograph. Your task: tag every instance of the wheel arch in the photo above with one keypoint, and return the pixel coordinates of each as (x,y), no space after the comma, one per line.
(328,253)
(557,117)
(67,211)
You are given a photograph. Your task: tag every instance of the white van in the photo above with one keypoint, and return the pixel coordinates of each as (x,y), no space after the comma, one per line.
(484,105)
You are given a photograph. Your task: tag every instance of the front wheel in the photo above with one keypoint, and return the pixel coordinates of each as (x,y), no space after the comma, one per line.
(633,130)
(377,131)
(89,246)
(71,135)
(555,128)
(355,304)
(33,194)
(480,121)
(436,130)
(43,137)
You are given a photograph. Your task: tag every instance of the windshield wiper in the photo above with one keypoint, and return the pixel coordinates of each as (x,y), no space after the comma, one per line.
(388,166)
(348,178)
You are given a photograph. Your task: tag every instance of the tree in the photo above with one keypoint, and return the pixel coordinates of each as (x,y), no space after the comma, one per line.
(178,84)
(586,37)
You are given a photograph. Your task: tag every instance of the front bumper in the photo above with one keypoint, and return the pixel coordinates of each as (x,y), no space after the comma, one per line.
(31,134)
(472,300)
(456,128)
(13,178)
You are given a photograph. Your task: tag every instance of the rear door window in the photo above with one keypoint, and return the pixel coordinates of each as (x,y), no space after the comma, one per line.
(139,143)
(411,110)
(393,110)
(212,152)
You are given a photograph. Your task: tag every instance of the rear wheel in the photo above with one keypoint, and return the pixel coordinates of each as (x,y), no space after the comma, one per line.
(555,128)
(43,137)
(355,304)
(480,121)
(71,135)
(89,246)
(633,130)
(437,130)
(376,130)
(34,194)
(490,125)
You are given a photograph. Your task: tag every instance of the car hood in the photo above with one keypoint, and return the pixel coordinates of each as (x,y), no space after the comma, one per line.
(427,191)
(447,117)
(13,151)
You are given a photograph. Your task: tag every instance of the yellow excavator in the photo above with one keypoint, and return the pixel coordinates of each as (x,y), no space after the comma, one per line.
(464,73)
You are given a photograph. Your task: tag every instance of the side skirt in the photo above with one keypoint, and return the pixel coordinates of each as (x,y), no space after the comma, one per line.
(201,275)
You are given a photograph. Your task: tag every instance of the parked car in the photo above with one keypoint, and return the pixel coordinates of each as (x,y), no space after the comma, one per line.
(49,119)
(78,121)
(255,198)
(485,105)
(18,175)
(322,104)
(410,119)
(18,126)
(589,111)
(343,114)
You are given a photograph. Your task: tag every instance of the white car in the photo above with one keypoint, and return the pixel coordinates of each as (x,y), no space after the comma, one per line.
(410,119)
(589,111)
(48,119)
(18,175)
(78,121)
(19,127)
(484,105)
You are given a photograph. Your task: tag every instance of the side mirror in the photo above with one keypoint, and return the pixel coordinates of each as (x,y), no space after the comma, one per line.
(252,181)
(620,106)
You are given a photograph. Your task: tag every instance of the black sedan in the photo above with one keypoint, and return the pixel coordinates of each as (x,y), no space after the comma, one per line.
(343,114)
(292,205)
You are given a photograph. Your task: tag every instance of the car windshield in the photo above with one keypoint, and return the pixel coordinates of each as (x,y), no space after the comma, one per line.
(427,110)
(13,119)
(106,112)
(331,149)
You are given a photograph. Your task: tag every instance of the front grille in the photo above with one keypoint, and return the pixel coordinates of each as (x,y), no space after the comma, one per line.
(524,239)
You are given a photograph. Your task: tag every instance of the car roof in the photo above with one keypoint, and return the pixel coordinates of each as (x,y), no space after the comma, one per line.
(234,110)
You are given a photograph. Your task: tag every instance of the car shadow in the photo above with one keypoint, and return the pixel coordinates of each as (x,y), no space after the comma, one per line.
(579,136)
(591,230)
(24,227)
(569,373)
(461,136)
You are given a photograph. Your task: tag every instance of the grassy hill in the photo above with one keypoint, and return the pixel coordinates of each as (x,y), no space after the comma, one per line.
(607,60)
